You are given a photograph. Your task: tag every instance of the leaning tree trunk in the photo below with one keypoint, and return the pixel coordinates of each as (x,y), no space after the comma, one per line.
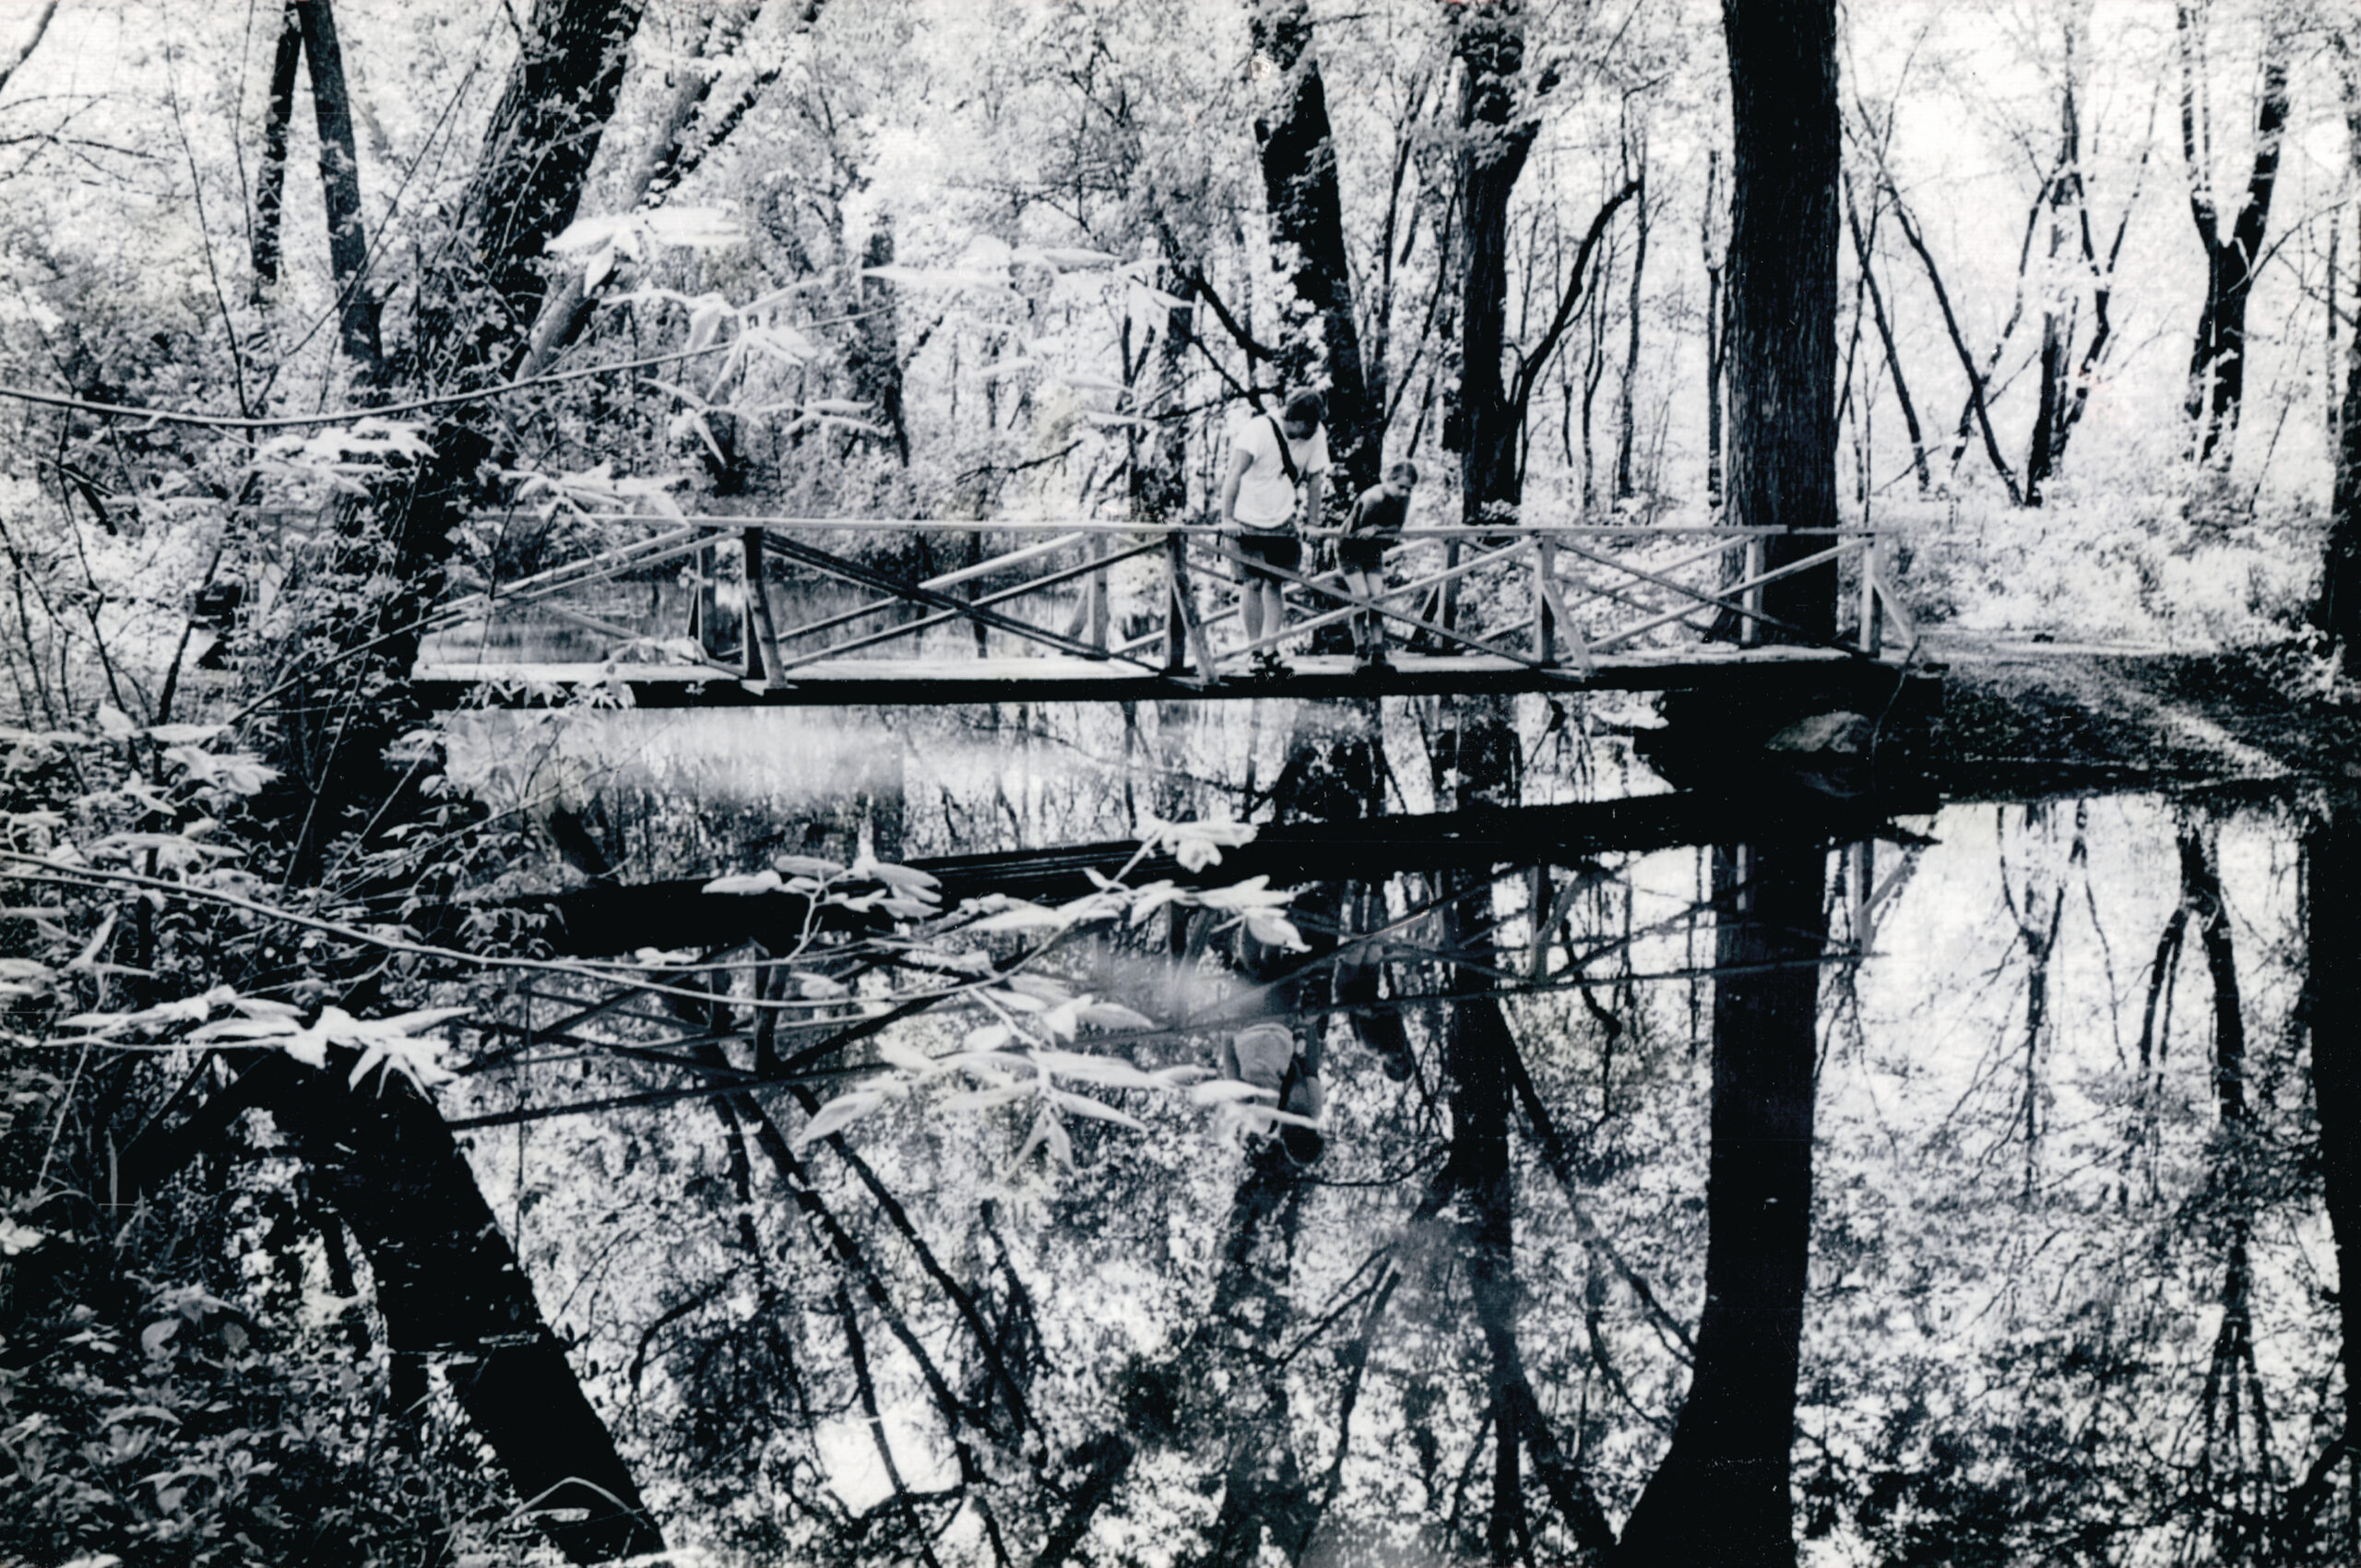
(1307,223)
(473,325)
(1781,350)
(340,185)
(449,1284)
(1721,1495)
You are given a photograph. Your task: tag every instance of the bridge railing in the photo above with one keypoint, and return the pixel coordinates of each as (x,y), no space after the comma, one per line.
(1163,598)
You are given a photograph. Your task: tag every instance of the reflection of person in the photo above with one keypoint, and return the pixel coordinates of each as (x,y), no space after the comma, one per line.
(1376,525)
(1266,1055)
(1278,471)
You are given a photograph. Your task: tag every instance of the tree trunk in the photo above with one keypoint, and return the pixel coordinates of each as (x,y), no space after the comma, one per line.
(2057,326)
(448,1283)
(2217,357)
(473,322)
(875,362)
(1720,1495)
(1716,245)
(2338,611)
(1627,403)
(340,185)
(270,180)
(1490,47)
(1782,351)
(1308,227)
(2332,1001)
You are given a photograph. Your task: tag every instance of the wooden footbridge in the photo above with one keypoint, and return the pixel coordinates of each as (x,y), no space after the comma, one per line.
(743,610)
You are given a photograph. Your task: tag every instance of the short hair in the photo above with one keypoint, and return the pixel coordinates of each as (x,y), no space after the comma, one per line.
(1305,408)
(1403,470)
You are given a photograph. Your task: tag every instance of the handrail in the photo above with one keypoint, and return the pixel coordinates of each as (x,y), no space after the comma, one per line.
(785,522)
(1533,613)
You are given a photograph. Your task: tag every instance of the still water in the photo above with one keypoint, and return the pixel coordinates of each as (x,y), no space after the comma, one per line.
(1946,1193)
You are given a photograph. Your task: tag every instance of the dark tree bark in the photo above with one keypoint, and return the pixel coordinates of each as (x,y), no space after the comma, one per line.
(1782,351)
(270,179)
(2217,357)
(340,184)
(448,1283)
(1720,1495)
(1307,221)
(1488,41)
(544,132)
(473,323)
(1627,400)
(2332,1002)
(2338,610)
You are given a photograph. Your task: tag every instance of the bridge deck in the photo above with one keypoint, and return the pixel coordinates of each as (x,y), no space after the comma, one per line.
(1056,678)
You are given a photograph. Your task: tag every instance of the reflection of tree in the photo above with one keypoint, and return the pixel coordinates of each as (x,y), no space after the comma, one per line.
(1721,1493)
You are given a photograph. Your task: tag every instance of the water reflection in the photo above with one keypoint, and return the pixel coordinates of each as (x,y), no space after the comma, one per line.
(1951,1194)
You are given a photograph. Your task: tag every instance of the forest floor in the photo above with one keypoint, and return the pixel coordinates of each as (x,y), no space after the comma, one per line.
(2258,714)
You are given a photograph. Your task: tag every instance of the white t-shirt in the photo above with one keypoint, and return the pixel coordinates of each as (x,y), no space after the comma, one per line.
(1267,498)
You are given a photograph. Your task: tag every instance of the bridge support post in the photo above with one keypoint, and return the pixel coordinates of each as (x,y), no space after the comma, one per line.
(1749,626)
(1545,601)
(1182,635)
(703,607)
(1094,599)
(1870,596)
(760,627)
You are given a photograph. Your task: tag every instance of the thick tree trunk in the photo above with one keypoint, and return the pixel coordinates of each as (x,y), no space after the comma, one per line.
(448,1283)
(2333,1000)
(1721,1494)
(473,323)
(270,179)
(340,185)
(1308,225)
(1781,351)
(2218,357)
(1490,46)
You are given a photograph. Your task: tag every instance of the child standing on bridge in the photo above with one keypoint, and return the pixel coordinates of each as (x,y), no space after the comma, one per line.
(1376,527)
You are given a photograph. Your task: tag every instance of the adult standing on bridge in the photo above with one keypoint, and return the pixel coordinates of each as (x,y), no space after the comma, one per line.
(1278,475)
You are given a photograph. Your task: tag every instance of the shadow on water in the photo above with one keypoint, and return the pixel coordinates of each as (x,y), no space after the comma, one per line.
(1738,1178)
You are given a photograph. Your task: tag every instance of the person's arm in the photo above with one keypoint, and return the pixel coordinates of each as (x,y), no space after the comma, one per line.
(1239,458)
(1315,491)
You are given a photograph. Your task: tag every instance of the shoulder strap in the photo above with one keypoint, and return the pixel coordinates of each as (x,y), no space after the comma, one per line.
(1287,458)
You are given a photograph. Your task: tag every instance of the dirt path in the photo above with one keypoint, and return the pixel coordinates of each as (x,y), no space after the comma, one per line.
(2256,714)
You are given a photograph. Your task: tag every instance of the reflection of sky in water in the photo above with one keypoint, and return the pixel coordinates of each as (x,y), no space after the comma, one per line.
(2021,1235)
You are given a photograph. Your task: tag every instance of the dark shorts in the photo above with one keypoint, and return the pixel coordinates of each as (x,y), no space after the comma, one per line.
(1267,547)
(1361,554)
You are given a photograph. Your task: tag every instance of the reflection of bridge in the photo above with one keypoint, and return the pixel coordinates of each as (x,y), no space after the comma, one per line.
(679,1029)
(1114,611)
